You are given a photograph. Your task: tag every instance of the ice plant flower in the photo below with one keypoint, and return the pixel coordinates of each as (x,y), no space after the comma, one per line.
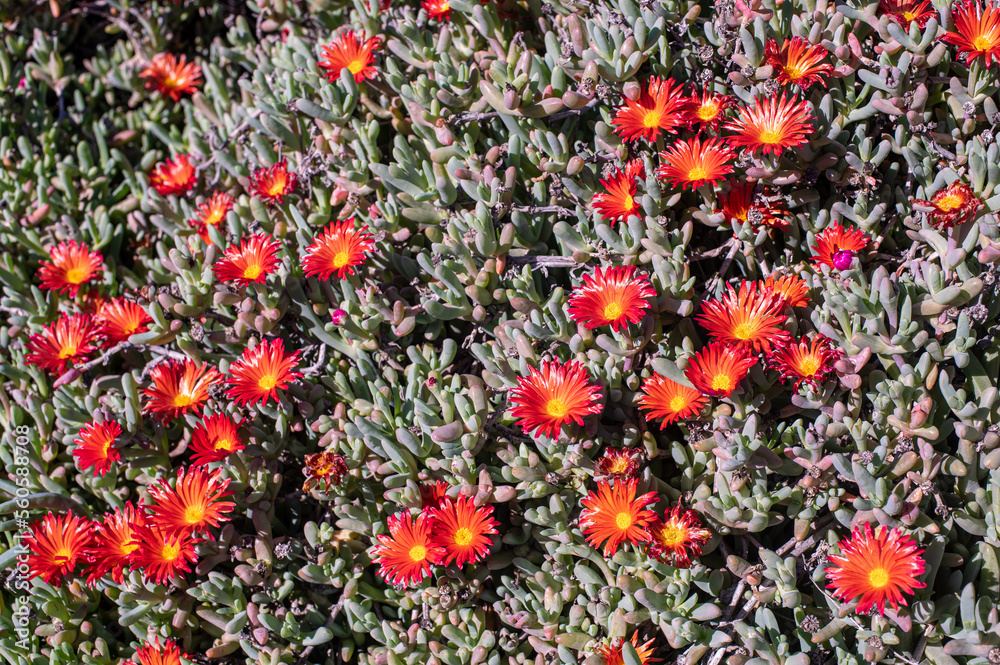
(771,125)
(406,555)
(612,651)
(349,52)
(463,530)
(325,467)
(837,246)
(809,360)
(337,316)
(72,265)
(657,111)
(707,111)
(977,32)
(718,368)
(878,567)
(690,164)
(553,396)
(194,503)
(214,440)
(955,204)
(614,297)
(95,447)
(791,289)
(55,544)
(747,318)
(121,319)
(677,536)
(742,204)
(212,212)
(613,515)
(65,341)
(905,12)
(274,183)
(179,387)
(618,203)
(618,463)
(797,61)
(261,371)
(152,653)
(337,250)
(434,494)
(173,176)
(163,556)
(114,544)
(251,262)
(439,9)
(669,400)
(172,76)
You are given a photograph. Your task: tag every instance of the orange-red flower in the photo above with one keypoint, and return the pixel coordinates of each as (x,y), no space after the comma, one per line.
(274,183)
(163,556)
(95,447)
(771,125)
(807,361)
(55,544)
(325,467)
(152,653)
(612,651)
(706,112)
(439,9)
(977,32)
(463,530)
(663,398)
(742,204)
(212,212)
(72,265)
(337,250)
(836,246)
(172,76)
(877,567)
(193,504)
(179,387)
(747,318)
(618,463)
(717,369)
(261,371)
(558,394)
(955,204)
(65,341)
(791,289)
(214,440)
(613,515)
(173,176)
(690,164)
(613,298)
(405,556)
(434,494)
(121,319)
(352,53)
(905,12)
(251,262)
(677,536)
(114,544)
(797,61)
(618,203)
(658,110)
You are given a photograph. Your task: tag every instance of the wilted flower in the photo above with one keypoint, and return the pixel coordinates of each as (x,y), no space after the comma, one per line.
(173,176)
(977,31)
(669,400)
(113,544)
(463,530)
(741,199)
(691,163)
(905,12)
(657,110)
(613,298)
(434,494)
(261,372)
(618,203)
(274,183)
(324,467)
(250,262)
(55,544)
(214,440)
(717,369)
(212,212)
(405,556)
(771,125)
(337,250)
(836,246)
(179,387)
(612,651)
(551,397)
(95,447)
(65,341)
(72,264)
(613,515)
(797,61)
(172,76)
(193,504)
(955,204)
(809,360)
(349,52)
(121,319)
(618,463)
(677,536)
(748,318)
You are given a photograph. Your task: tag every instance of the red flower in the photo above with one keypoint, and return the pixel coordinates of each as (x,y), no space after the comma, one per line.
(618,203)
(613,515)
(905,12)
(977,32)
(193,504)
(325,467)
(250,263)
(690,164)
(153,654)
(163,556)
(791,289)
(212,212)
(807,361)
(618,463)
(663,398)
(836,246)
(95,447)
(405,556)
(772,125)
(63,342)
(745,319)
(337,250)
(179,387)
(439,9)
(434,495)
(214,440)
(677,537)
(55,544)
(350,52)
(172,76)
(463,530)
(173,176)
(657,110)
(261,371)
(273,184)
(955,204)
(114,544)
(558,394)
(612,651)
(706,112)
(797,62)
(717,369)
(615,298)
(121,319)
(742,204)
(73,264)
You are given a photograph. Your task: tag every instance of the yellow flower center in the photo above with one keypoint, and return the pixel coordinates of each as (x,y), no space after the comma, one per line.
(253,271)
(678,402)
(267,381)
(418,553)
(194,514)
(224,444)
(556,408)
(707,111)
(129,547)
(793,72)
(721,382)
(770,136)
(623,520)
(628,202)
(878,578)
(909,16)
(340,259)
(277,187)
(697,173)
(809,365)
(170,552)
(463,537)
(356,65)
(949,202)
(62,556)
(183,399)
(612,310)
(76,275)
(671,535)
(214,217)
(620,465)
(981,43)
(652,118)
(743,331)
(106,446)
(67,351)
